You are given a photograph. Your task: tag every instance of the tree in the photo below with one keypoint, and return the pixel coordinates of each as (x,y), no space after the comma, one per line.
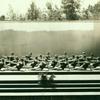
(71,9)
(53,13)
(2,18)
(21,17)
(11,14)
(33,12)
(92,12)
(85,14)
(96,10)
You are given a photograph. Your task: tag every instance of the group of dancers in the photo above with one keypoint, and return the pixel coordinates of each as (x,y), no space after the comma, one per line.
(49,62)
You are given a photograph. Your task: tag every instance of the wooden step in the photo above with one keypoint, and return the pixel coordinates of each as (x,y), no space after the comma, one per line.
(24,94)
(52,89)
(62,72)
(55,81)
(36,85)
(57,77)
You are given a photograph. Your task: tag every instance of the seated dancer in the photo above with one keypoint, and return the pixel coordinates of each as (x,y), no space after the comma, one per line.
(54,61)
(19,65)
(63,64)
(42,65)
(12,63)
(85,65)
(96,63)
(12,57)
(30,56)
(1,64)
(65,55)
(35,62)
(40,58)
(72,62)
(48,56)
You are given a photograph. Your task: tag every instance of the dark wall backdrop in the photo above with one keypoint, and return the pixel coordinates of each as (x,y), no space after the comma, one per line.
(73,42)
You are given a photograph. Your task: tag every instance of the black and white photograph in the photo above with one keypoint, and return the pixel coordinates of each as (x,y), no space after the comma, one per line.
(49,49)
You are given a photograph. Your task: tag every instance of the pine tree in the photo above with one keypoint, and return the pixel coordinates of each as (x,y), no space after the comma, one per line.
(11,14)
(71,9)
(33,12)
(54,13)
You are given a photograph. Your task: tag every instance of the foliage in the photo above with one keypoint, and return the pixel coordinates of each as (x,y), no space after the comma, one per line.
(33,12)
(71,9)
(2,18)
(11,14)
(92,12)
(54,13)
(96,12)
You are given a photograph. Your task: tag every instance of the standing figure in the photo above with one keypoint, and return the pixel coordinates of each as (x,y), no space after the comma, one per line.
(43,79)
(51,79)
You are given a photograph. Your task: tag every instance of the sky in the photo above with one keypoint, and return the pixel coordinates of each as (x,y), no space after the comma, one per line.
(21,6)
